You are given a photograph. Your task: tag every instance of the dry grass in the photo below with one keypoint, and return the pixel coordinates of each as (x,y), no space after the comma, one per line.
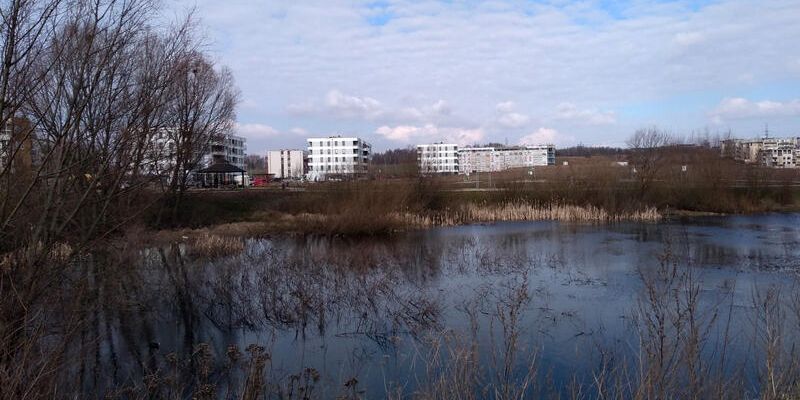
(592,190)
(553,212)
(215,246)
(372,222)
(518,211)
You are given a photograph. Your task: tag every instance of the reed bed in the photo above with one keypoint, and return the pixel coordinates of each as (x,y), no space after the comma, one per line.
(213,246)
(520,211)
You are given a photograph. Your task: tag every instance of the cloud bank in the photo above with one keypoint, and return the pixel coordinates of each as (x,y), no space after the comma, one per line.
(598,70)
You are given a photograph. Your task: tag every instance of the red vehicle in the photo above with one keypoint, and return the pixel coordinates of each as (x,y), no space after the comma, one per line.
(260,180)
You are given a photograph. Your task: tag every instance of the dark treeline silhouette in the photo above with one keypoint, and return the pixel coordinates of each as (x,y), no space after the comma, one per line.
(396,156)
(588,151)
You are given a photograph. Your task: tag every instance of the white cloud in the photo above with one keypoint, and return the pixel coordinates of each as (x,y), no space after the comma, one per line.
(256,131)
(688,38)
(348,106)
(474,55)
(741,108)
(302,109)
(508,118)
(430,133)
(299,132)
(513,120)
(442,108)
(249,104)
(546,136)
(505,107)
(570,112)
(337,104)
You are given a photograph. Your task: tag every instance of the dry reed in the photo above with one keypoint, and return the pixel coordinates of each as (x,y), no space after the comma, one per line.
(520,211)
(213,246)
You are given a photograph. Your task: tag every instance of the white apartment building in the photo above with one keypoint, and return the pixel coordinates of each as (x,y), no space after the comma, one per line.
(491,159)
(779,153)
(769,152)
(337,155)
(230,148)
(437,158)
(162,152)
(285,164)
(477,159)
(543,154)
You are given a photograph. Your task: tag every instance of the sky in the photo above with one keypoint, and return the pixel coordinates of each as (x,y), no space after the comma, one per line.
(403,72)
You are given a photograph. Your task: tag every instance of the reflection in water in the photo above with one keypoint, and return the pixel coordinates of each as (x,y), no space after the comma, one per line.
(522,308)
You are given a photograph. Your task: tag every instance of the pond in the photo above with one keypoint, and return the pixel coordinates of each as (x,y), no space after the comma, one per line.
(500,310)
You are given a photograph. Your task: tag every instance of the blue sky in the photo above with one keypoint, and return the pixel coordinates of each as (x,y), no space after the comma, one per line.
(401,72)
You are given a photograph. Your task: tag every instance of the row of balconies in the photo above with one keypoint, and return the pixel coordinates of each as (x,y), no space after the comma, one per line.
(335,151)
(332,143)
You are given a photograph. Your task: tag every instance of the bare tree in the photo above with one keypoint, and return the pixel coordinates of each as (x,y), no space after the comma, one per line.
(255,163)
(202,112)
(26,27)
(96,83)
(648,148)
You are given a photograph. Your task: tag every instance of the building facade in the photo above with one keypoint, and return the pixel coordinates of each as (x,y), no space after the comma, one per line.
(16,146)
(492,159)
(230,148)
(437,158)
(477,159)
(769,152)
(285,164)
(337,155)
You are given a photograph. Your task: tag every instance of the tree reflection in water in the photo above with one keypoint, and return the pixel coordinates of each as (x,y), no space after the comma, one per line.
(470,316)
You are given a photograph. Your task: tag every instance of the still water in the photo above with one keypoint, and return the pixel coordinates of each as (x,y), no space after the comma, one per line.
(543,302)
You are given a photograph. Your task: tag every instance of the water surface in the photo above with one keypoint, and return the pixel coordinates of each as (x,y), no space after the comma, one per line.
(390,312)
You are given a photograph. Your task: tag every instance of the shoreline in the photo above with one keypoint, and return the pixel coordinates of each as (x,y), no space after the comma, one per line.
(281,224)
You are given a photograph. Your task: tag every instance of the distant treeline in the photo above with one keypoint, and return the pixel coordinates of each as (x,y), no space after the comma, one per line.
(588,151)
(396,156)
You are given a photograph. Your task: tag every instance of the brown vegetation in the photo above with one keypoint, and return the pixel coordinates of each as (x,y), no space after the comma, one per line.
(98,86)
(587,190)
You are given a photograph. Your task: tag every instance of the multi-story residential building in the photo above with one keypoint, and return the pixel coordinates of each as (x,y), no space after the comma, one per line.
(285,164)
(230,148)
(477,159)
(489,159)
(769,152)
(779,153)
(16,145)
(437,158)
(337,155)
(539,155)
(162,153)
